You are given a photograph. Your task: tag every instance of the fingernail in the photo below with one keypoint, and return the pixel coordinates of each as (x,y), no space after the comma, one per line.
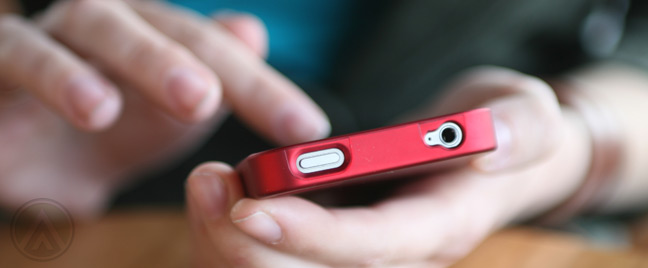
(88,98)
(501,156)
(186,89)
(208,105)
(105,113)
(208,190)
(301,124)
(260,226)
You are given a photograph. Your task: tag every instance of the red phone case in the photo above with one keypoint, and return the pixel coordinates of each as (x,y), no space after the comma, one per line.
(379,153)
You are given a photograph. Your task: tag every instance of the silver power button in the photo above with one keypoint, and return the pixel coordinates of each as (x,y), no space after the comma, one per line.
(320,160)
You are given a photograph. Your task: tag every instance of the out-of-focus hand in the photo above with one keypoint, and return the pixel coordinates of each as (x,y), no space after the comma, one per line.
(93,92)
(542,157)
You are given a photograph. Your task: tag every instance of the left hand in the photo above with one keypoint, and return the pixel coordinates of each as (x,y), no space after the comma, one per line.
(542,157)
(66,77)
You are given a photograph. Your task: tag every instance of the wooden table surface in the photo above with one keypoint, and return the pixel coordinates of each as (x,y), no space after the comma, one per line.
(159,238)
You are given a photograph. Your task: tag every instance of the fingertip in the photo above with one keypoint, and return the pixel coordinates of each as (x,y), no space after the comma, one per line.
(193,95)
(208,106)
(207,188)
(526,114)
(93,105)
(526,130)
(212,169)
(246,27)
(106,113)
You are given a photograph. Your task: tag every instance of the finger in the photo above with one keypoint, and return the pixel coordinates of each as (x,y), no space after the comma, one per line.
(212,189)
(259,95)
(111,33)
(525,111)
(203,250)
(400,231)
(440,218)
(247,28)
(31,60)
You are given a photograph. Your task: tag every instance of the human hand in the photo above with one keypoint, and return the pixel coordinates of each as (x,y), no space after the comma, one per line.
(432,222)
(84,62)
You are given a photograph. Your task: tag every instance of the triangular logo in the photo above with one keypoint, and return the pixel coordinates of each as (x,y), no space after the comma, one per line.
(42,236)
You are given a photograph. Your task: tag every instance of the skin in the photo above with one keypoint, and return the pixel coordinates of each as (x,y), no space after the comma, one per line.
(544,155)
(89,145)
(623,91)
(94,92)
(429,223)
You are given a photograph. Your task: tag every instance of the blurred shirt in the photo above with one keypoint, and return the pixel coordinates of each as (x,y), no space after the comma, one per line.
(304,35)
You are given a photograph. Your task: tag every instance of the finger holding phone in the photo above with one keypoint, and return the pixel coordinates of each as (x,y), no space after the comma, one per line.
(431,222)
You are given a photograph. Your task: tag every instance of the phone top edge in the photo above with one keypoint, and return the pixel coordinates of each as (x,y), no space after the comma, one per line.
(362,132)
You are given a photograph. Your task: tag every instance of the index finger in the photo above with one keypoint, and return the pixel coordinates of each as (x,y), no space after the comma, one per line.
(258,94)
(111,33)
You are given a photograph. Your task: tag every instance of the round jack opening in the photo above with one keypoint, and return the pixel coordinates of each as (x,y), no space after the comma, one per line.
(448,135)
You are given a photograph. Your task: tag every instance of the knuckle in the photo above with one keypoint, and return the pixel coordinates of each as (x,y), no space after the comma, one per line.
(81,12)
(40,61)
(146,53)
(67,15)
(142,51)
(202,41)
(198,41)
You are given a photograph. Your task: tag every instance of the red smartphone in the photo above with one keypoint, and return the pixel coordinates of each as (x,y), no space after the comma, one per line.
(387,152)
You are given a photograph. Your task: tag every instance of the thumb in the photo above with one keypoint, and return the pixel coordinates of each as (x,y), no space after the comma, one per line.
(525,110)
(214,188)
(210,190)
(247,28)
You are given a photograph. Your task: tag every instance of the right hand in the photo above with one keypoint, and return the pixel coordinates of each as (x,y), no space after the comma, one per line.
(88,61)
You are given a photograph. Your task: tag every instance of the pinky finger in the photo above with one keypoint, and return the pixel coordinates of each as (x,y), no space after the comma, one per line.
(55,76)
